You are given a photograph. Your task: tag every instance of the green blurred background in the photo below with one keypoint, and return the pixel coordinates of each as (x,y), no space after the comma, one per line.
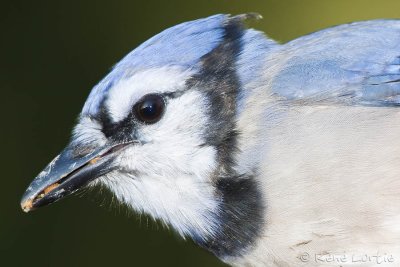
(52,53)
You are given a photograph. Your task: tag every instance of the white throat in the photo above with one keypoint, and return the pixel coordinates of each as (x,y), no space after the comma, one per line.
(188,206)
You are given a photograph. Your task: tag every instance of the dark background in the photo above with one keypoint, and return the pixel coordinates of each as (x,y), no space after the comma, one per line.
(51,54)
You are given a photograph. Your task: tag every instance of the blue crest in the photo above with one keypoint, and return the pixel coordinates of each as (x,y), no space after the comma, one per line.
(182,45)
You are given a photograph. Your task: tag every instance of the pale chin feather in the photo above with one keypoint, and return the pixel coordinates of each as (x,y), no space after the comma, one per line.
(189,206)
(168,174)
(179,193)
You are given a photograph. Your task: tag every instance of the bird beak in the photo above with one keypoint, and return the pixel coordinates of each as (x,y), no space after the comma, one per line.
(68,173)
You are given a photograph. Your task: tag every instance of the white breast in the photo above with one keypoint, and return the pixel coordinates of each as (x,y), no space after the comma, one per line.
(331,176)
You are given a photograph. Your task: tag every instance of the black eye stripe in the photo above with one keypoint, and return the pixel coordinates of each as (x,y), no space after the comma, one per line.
(123,129)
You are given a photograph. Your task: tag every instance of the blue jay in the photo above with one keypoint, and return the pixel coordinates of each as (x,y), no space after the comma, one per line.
(264,154)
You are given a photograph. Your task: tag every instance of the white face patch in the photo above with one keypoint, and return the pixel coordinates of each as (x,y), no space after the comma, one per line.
(88,131)
(168,173)
(187,205)
(128,91)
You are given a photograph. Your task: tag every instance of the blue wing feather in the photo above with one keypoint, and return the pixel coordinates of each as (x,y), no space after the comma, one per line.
(355,63)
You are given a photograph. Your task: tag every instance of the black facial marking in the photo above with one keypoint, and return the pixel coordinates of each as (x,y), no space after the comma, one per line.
(241,214)
(125,130)
(119,132)
(241,217)
(219,80)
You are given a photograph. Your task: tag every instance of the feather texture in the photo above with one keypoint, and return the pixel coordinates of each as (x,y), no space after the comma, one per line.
(322,130)
(265,154)
(356,63)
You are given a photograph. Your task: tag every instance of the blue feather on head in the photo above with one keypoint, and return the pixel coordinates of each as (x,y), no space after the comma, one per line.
(183,46)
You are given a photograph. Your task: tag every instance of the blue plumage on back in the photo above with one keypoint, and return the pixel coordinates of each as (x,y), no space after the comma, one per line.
(356,63)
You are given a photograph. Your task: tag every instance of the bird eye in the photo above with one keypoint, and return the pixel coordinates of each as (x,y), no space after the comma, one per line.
(150,108)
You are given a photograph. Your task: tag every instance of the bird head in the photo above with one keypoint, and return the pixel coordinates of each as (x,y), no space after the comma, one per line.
(160,131)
